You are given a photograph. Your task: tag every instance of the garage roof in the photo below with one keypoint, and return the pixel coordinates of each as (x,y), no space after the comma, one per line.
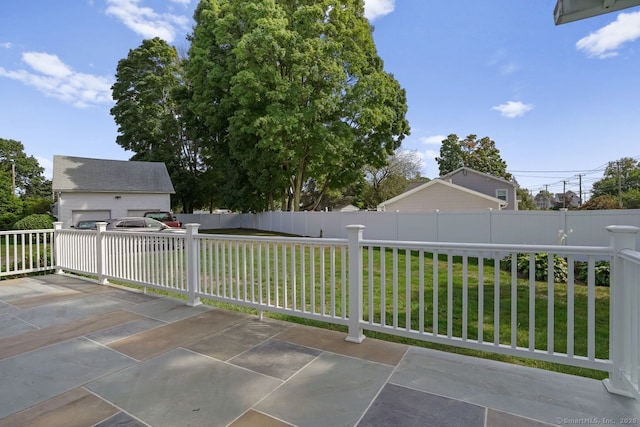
(80,174)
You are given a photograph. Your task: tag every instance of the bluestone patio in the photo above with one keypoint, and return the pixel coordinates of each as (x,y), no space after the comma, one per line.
(76,353)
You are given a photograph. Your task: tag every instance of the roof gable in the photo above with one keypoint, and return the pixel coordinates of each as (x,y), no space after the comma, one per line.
(80,174)
(466,170)
(439,181)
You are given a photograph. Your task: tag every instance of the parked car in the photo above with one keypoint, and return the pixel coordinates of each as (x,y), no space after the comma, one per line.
(140,224)
(87,224)
(165,217)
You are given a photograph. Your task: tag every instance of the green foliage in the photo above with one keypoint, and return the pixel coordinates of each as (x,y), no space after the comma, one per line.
(602,272)
(602,202)
(37,206)
(29,175)
(32,190)
(621,181)
(293,96)
(479,154)
(390,179)
(541,262)
(526,201)
(35,222)
(7,220)
(154,121)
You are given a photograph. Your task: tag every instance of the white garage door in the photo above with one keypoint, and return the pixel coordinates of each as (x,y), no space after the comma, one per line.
(89,215)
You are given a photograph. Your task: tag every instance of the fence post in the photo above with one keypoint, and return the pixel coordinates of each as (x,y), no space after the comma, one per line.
(57,226)
(193,264)
(101,227)
(620,311)
(355,283)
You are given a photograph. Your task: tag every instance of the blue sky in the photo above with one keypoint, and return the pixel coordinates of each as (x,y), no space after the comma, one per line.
(559,101)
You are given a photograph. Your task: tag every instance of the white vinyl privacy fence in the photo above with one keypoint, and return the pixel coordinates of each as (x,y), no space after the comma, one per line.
(521,227)
(501,298)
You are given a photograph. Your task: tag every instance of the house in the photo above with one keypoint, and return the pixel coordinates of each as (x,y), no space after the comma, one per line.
(91,189)
(544,200)
(485,183)
(443,196)
(464,189)
(346,208)
(568,199)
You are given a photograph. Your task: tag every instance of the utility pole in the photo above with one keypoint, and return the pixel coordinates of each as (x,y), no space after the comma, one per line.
(13,177)
(580,186)
(564,194)
(619,185)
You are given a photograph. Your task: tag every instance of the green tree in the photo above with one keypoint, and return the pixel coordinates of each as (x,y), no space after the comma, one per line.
(605,201)
(391,179)
(292,93)
(526,202)
(27,172)
(153,120)
(621,180)
(479,154)
(32,191)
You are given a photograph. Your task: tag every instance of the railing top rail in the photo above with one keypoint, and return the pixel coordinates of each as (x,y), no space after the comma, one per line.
(13,232)
(278,239)
(630,255)
(491,247)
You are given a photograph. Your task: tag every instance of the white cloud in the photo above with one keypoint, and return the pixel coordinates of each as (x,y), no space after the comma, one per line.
(46,63)
(433,140)
(54,78)
(6,45)
(376,8)
(145,21)
(513,109)
(607,40)
(182,2)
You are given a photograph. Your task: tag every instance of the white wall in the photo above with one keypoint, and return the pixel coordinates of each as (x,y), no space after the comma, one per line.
(117,204)
(584,228)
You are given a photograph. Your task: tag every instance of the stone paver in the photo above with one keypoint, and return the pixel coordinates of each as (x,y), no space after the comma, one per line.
(73,353)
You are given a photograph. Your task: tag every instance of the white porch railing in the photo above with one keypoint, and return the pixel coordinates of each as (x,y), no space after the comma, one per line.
(448,293)
(25,251)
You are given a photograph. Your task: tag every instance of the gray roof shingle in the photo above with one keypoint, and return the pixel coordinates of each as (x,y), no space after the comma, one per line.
(80,174)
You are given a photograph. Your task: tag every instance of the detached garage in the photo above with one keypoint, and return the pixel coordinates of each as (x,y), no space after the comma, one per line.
(93,189)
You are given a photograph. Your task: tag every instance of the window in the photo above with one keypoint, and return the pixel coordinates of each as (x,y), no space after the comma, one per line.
(501,194)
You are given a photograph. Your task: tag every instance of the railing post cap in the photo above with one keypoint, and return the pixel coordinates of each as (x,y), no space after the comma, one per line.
(355,227)
(622,229)
(192,225)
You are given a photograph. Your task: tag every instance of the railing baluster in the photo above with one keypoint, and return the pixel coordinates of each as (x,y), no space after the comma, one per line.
(550,303)
(449,294)
(514,299)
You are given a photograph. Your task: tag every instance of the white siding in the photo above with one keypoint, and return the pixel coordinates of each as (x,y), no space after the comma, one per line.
(118,204)
(442,198)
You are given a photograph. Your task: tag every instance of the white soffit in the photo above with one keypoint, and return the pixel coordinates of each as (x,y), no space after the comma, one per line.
(574,10)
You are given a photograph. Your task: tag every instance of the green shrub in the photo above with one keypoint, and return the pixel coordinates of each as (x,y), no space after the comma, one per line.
(34,222)
(7,220)
(602,270)
(560,269)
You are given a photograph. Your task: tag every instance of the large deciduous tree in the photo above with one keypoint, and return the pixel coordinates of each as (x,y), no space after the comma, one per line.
(293,95)
(153,120)
(479,154)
